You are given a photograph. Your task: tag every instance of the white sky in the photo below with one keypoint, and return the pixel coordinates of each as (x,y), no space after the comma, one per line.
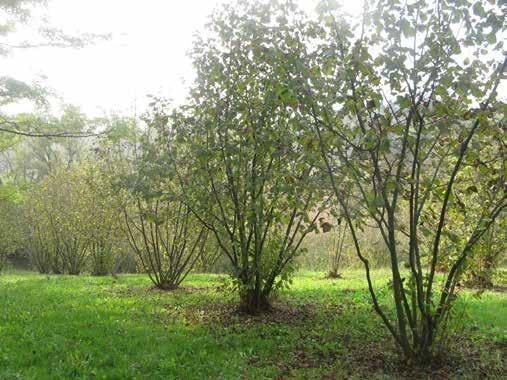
(147,54)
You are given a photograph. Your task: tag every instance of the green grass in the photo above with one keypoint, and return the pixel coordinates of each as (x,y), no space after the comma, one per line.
(63,327)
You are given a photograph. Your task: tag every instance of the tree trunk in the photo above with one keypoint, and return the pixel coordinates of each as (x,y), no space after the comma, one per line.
(100,266)
(253,302)
(334,274)
(3,260)
(164,285)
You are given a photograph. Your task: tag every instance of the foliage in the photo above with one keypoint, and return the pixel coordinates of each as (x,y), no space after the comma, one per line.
(164,236)
(336,252)
(485,263)
(249,177)
(19,18)
(57,207)
(480,184)
(73,218)
(34,158)
(103,221)
(10,229)
(399,113)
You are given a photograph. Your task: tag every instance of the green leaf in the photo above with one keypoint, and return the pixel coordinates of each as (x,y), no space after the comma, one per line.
(453,237)
(478,9)
(375,201)
(286,95)
(440,109)
(406,28)
(426,231)
(491,38)
(385,145)
(329,70)
(403,101)
(390,185)
(328,20)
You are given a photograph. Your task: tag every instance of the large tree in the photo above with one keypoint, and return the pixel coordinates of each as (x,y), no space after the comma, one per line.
(250,178)
(402,104)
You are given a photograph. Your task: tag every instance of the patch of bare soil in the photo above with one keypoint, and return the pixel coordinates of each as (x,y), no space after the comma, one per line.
(227,313)
(333,276)
(142,290)
(183,289)
(381,359)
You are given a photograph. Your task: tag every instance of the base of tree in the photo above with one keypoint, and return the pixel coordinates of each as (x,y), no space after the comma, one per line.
(253,303)
(480,282)
(334,275)
(166,286)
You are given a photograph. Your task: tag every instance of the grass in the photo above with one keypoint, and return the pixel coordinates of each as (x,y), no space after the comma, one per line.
(63,327)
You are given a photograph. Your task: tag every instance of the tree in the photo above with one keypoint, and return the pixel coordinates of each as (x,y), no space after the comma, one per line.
(27,161)
(399,105)
(32,158)
(18,15)
(101,219)
(38,245)
(55,208)
(161,229)
(74,219)
(485,261)
(337,249)
(164,236)
(11,228)
(249,177)
(480,182)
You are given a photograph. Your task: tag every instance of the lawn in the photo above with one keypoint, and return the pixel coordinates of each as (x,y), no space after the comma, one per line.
(62,327)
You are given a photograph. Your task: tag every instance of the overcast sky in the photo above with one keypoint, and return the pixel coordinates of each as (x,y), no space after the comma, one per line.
(147,54)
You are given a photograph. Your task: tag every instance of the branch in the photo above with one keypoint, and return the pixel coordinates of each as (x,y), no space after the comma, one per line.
(15,130)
